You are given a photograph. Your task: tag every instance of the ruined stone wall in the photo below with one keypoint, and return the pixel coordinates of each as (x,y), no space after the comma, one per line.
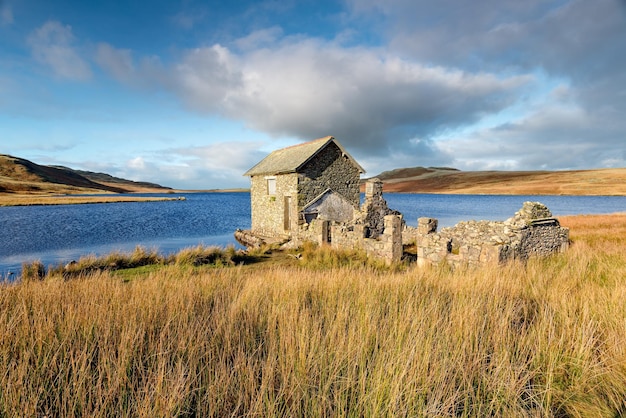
(329,169)
(387,246)
(385,243)
(530,232)
(471,242)
(342,235)
(268,210)
(374,209)
(542,240)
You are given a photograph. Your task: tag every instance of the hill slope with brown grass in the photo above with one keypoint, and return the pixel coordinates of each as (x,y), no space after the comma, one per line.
(599,182)
(21,176)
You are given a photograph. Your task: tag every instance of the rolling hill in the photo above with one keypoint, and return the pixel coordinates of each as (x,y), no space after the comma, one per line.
(599,182)
(21,176)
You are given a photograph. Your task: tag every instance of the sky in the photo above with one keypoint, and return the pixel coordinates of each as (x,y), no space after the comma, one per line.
(190,94)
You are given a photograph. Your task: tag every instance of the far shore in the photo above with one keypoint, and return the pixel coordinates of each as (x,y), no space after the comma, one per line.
(238,190)
(45,200)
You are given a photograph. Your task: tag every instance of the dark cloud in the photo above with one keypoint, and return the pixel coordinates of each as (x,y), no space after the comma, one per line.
(581,43)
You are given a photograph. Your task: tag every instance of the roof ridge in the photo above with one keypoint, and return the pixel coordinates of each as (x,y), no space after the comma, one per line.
(291,159)
(327,138)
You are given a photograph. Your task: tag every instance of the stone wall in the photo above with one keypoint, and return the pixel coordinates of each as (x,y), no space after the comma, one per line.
(329,169)
(532,231)
(375,228)
(268,210)
(387,246)
(374,209)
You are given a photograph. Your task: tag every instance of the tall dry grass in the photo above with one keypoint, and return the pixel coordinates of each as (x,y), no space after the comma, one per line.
(543,339)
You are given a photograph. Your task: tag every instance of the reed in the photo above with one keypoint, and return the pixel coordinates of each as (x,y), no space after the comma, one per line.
(545,338)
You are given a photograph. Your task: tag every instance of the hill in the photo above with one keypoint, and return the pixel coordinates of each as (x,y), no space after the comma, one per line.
(21,176)
(599,182)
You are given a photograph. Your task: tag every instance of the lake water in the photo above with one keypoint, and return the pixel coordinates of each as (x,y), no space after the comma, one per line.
(58,234)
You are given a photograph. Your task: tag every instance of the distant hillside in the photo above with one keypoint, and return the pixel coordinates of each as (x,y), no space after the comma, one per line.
(108,180)
(600,182)
(18,175)
(415,172)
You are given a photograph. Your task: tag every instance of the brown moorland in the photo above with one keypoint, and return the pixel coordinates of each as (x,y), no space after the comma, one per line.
(599,182)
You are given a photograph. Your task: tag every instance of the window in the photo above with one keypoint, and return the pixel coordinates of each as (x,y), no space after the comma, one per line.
(271,186)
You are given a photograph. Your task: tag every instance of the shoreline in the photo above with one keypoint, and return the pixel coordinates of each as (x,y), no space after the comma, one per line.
(26,200)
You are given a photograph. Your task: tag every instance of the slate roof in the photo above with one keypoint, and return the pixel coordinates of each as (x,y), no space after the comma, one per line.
(291,159)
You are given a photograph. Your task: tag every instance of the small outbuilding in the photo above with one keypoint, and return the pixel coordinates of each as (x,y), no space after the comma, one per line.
(297,184)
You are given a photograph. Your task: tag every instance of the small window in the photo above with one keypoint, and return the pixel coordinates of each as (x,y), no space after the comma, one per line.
(271,186)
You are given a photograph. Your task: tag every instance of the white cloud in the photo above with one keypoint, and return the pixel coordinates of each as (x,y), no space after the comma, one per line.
(53,45)
(6,14)
(206,77)
(311,88)
(578,41)
(136,163)
(217,165)
(555,136)
(117,62)
(234,157)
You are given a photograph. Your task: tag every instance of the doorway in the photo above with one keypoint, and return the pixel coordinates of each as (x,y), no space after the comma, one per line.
(287,214)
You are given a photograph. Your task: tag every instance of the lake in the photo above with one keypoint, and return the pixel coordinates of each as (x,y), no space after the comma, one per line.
(58,234)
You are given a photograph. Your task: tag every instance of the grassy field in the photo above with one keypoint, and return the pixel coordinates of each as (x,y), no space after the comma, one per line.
(324,336)
(36,200)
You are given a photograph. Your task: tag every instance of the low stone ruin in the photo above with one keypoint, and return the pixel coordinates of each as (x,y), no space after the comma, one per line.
(382,233)
(374,228)
(532,231)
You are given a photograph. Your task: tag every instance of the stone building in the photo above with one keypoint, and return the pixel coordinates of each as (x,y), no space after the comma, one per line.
(294,185)
(310,192)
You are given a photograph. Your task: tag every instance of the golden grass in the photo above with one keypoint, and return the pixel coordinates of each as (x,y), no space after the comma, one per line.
(33,200)
(543,339)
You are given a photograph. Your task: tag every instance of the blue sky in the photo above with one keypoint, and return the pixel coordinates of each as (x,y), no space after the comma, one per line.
(190,94)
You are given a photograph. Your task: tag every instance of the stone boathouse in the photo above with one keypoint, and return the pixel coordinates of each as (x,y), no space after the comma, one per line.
(311,192)
(294,185)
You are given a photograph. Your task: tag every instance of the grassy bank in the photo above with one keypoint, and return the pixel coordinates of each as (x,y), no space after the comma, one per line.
(38,200)
(543,339)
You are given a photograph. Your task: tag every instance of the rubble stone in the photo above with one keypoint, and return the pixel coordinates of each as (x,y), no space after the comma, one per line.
(532,231)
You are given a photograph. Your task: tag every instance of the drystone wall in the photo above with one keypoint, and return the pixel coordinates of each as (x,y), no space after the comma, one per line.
(532,231)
